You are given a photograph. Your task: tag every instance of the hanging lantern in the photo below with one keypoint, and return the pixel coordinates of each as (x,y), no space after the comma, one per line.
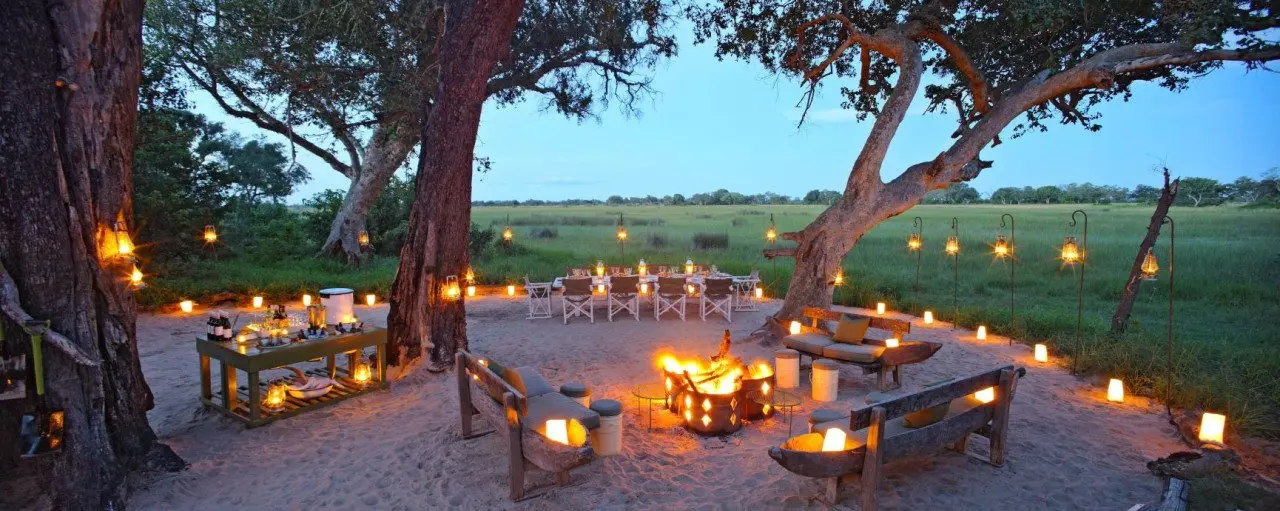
(363,239)
(135,277)
(210,234)
(1001,249)
(451,289)
(507,235)
(913,241)
(771,234)
(688,266)
(124,245)
(1212,426)
(953,245)
(361,372)
(599,268)
(642,269)
(622,231)
(839,279)
(1150,268)
(1070,250)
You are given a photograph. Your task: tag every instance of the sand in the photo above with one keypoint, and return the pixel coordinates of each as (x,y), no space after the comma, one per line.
(401,449)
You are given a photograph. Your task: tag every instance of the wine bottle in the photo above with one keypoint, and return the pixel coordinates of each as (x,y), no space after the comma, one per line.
(217,326)
(227,332)
(208,328)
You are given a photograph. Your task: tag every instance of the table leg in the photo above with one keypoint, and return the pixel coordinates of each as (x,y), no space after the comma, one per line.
(351,362)
(791,411)
(255,397)
(381,353)
(206,385)
(332,362)
(229,397)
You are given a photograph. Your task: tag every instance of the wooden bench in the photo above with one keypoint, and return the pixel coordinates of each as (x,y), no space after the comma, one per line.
(889,362)
(877,433)
(525,443)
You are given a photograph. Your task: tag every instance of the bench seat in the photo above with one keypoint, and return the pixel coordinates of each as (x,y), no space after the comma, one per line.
(861,353)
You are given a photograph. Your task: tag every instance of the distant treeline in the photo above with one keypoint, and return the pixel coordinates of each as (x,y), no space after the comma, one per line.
(1193,191)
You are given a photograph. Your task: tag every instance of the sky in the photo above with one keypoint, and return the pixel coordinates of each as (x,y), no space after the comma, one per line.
(730,124)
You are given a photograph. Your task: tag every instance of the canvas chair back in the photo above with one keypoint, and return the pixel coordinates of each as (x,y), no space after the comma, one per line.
(671,286)
(718,287)
(577,287)
(624,285)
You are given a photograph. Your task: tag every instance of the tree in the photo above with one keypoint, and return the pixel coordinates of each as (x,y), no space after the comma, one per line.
(994,65)
(1006,195)
(71,72)
(477,34)
(1168,193)
(1243,189)
(1048,194)
(353,71)
(1200,191)
(1145,194)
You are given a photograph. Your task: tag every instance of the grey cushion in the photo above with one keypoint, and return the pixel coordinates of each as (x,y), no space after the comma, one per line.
(851,329)
(527,381)
(554,405)
(865,353)
(822,415)
(826,365)
(575,390)
(606,407)
(808,342)
(786,353)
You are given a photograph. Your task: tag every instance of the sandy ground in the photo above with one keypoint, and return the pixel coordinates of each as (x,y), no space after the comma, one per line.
(401,449)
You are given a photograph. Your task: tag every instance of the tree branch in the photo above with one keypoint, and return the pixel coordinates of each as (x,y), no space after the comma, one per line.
(11,306)
(779,252)
(960,58)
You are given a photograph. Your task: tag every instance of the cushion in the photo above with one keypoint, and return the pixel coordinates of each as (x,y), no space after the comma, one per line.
(606,407)
(822,415)
(826,365)
(554,405)
(865,353)
(575,390)
(851,330)
(808,342)
(527,381)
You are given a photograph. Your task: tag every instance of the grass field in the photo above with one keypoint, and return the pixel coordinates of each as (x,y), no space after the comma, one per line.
(1227,297)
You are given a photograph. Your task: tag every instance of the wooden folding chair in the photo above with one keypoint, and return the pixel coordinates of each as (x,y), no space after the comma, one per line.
(538,298)
(717,294)
(670,296)
(622,296)
(577,300)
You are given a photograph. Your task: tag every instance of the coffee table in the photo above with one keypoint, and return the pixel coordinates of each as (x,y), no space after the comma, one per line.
(650,392)
(780,399)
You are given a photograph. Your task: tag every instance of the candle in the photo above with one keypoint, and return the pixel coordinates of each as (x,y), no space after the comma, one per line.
(928,317)
(982,332)
(370,299)
(891,342)
(511,290)
(1042,353)
(306,300)
(187,305)
(880,308)
(257,302)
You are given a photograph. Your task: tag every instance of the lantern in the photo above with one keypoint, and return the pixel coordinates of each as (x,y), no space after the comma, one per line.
(1150,268)
(913,241)
(511,290)
(599,268)
(953,245)
(507,235)
(1001,248)
(642,269)
(1115,391)
(833,440)
(771,235)
(363,239)
(986,395)
(306,300)
(688,266)
(622,234)
(210,234)
(928,317)
(470,276)
(257,302)
(370,299)
(880,308)
(1042,353)
(471,290)
(795,328)
(135,277)
(644,288)
(361,372)
(600,289)
(451,289)
(187,306)
(124,246)
(1212,427)
(891,342)
(839,279)
(1070,250)
(275,395)
(982,332)
(759,293)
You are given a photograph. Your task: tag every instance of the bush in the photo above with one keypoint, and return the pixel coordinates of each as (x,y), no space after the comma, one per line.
(544,233)
(710,240)
(739,222)
(657,241)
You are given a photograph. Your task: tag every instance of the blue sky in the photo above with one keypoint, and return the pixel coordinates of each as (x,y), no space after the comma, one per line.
(731,125)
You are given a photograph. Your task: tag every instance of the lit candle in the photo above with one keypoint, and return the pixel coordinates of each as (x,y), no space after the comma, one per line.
(370,300)
(471,290)
(833,440)
(982,332)
(1212,427)
(928,317)
(880,308)
(1042,353)
(306,300)
(795,328)
(986,395)
(891,342)
(187,305)
(600,289)
(511,290)
(759,292)
(644,288)
(1115,391)
(257,302)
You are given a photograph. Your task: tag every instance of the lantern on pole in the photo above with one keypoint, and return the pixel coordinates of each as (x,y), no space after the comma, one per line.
(1073,253)
(622,235)
(914,242)
(953,250)
(771,235)
(1150,270)
(1004,250)
(507,235)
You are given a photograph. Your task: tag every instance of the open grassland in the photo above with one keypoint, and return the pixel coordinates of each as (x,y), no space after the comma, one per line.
(1227,299)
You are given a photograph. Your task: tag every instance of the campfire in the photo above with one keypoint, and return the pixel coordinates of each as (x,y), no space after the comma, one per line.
(712,396)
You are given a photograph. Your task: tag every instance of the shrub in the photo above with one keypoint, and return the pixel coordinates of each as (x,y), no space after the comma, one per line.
(710,240)
(544,233)
(739,222)
(657,241)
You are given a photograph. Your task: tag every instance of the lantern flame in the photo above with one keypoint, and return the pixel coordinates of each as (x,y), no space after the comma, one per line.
(833,440)
(1212,427)
(558,430)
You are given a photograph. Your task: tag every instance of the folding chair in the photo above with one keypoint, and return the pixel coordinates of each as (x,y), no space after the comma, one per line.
(718,294)
(622,296)
(539,298)
(668,295)
(577,300)
(745,293)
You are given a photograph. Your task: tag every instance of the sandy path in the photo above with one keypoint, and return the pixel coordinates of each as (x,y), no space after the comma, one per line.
(401,450)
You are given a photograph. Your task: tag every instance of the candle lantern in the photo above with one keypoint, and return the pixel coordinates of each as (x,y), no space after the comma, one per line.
(1073,253)
(771,234)
(124,245)
(759,292)
(982,332)
(688,266)
(507,235)
(622,230)
(451,289)
(891,342)
(471,290)
(986,395)
(953,245)
(642,269)
(1070,250)
(644,288)
(928,317)
(913,241)
(1042,353)
(210,234)
(361,372)
(795,328)
(257,302)
(187,306)
(1150,268)
(511,290)
(880,308)
(833,440)
(1004,250)
(1001,248)
(274,399)
(363,239)
(599,267)
(370,299)
(1212,428)
(306,300)
(1115,391)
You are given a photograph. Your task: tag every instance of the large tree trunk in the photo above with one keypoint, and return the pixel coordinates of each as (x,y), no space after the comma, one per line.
(70,71)
(386,152)
(1168,194)
(477,34)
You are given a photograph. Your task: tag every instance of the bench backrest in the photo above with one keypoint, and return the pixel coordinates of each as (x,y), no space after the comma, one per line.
(487,380)
(930,397)
(900,328)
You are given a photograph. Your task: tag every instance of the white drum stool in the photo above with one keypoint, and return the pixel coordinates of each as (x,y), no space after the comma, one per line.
(826,380)
(786,363)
